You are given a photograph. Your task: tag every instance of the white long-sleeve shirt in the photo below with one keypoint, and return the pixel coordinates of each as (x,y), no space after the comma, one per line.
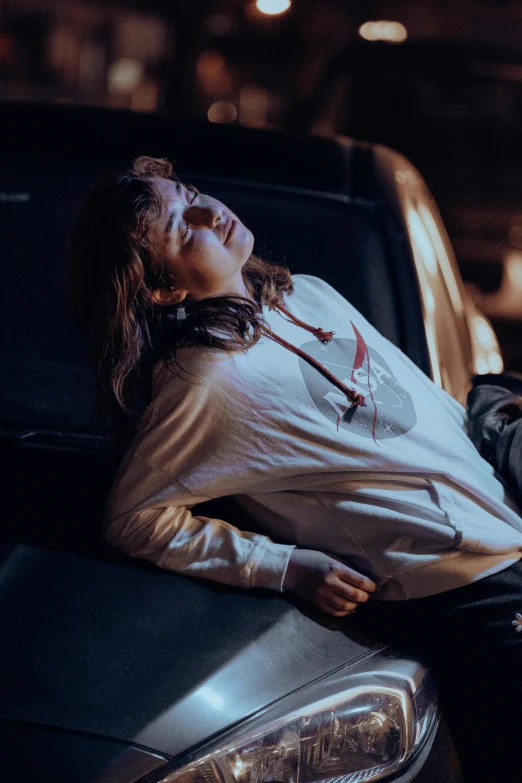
(395,487)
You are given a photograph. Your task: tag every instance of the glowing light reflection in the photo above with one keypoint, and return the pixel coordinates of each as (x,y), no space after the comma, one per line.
(442,255)
(210,697)
(429,299)
(487,356)
(513,267)
(484,332)
(481,366)
(495,362)
(422,240)
(124,75)
(391,32)
(222,111)
(273,7)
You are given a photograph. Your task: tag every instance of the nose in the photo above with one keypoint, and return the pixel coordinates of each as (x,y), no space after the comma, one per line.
(203,216)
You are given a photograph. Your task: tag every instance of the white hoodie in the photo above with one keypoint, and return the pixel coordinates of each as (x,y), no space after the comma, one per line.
(396,487)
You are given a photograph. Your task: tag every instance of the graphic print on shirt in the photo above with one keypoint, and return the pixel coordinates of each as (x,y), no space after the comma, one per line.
(389,410)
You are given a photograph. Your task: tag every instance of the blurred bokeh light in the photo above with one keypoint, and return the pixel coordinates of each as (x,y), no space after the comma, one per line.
(273,7)
(218,24)
(222,111)
(124,75)
(391,32)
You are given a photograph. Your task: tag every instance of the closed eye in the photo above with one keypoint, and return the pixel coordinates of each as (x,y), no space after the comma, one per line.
(192,200)
(190,188)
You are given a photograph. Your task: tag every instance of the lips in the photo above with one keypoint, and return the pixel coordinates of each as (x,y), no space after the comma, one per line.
(229,229)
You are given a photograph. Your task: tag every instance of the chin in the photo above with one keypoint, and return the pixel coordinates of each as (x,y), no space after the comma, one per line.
(247,245)
(250,241)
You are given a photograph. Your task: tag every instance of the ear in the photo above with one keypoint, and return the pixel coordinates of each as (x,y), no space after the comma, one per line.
(168,296)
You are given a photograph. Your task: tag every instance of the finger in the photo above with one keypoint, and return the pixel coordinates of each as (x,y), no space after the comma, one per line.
(347,574)
(348,591)
(361,581)
(336,602)
(332,610)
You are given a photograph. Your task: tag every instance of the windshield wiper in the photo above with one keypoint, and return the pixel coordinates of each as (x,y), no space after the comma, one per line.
(56,439)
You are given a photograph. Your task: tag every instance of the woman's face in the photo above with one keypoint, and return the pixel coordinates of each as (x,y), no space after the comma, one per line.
(204,244)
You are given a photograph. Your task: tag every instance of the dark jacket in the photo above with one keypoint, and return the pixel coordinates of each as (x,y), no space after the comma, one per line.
(495,424)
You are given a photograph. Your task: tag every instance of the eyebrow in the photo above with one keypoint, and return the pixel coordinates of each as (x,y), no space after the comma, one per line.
(172,215)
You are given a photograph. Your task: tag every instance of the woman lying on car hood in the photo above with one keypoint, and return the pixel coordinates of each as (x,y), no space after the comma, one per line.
(272,388)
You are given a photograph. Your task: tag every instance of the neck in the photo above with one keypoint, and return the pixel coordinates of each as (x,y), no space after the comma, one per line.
(241,286)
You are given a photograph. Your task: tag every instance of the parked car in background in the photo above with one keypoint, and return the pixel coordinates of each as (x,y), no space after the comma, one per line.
(453,108)
(114,671)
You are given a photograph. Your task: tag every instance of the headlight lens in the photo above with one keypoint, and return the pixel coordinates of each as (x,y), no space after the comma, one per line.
(359,724)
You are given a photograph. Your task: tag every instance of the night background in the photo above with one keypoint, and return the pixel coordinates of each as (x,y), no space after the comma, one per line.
(439,81)
(115,667)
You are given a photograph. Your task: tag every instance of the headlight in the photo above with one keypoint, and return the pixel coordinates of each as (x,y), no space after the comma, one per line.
(361,723)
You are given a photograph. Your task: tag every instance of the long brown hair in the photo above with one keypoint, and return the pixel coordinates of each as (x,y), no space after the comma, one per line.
(115,265)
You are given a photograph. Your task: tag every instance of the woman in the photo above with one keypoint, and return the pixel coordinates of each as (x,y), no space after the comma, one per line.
(340,448)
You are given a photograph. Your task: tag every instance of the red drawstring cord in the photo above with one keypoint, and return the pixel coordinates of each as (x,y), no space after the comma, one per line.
(321,335)
(324,337)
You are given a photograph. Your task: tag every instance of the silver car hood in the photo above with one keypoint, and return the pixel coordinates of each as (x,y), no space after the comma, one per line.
(102,644)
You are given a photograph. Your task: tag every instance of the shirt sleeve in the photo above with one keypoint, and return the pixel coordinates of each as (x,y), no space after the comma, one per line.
(148,515)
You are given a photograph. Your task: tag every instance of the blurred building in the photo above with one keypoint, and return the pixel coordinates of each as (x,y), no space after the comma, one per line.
(83,53)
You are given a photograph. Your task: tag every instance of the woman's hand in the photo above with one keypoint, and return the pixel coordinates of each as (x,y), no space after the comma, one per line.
(325,581)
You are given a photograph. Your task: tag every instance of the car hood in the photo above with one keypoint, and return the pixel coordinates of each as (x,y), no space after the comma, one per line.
(125,650)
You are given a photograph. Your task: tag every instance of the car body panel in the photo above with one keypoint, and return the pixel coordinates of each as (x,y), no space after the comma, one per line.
(44,753)
(137,654)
